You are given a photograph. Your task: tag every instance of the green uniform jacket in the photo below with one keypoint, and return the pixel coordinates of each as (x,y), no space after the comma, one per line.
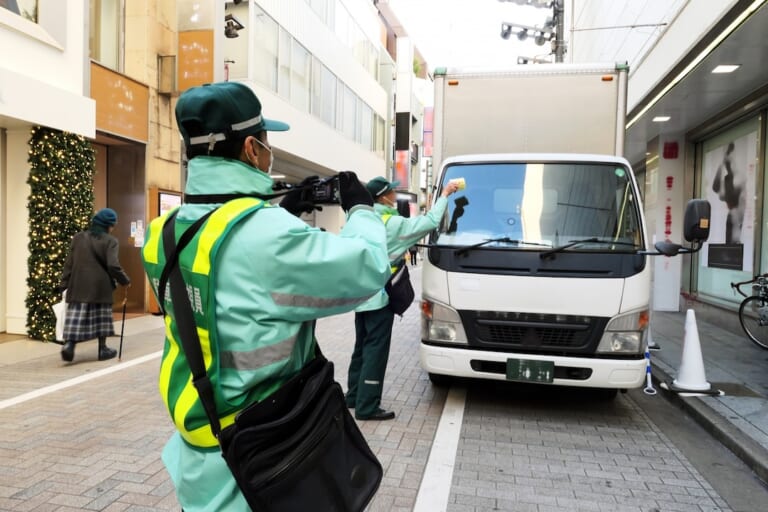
(402,233)
(273,274)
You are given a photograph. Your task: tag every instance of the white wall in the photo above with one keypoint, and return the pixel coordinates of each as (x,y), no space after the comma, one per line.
(17,228)
(44,73)
(651,51)
(43,79)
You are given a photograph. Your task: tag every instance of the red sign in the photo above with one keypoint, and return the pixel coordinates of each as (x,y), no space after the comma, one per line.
(670,150)
(402,167)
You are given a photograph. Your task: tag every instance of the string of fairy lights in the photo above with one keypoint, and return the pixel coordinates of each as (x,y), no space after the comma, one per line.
(62,167)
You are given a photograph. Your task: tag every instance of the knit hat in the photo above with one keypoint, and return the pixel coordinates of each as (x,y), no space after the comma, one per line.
(220,111)
(105,217)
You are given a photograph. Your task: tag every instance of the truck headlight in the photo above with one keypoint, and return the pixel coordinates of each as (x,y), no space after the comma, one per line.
(441,323)
(625,334)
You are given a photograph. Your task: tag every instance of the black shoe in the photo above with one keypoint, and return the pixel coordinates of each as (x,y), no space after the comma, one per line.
(380,415)
(68,351)
(106,353)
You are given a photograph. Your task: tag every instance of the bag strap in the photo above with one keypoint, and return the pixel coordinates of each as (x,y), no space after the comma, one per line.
(186,237)
(185,321)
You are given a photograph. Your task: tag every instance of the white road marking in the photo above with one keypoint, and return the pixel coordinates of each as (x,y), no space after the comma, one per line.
(438,475)
(77,380)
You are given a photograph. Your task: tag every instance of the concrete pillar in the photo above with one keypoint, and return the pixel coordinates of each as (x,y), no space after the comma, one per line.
(664,209)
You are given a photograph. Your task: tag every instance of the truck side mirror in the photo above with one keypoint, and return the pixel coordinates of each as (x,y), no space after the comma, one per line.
(695,229)
(696,220)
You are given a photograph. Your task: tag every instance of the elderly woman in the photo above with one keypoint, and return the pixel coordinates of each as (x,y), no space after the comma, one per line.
(90,272)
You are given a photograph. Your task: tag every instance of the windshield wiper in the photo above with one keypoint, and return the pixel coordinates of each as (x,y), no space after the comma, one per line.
(505,239)
(593,240)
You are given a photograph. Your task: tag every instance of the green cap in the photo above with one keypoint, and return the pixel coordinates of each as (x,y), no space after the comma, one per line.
(220,111)
(379,185)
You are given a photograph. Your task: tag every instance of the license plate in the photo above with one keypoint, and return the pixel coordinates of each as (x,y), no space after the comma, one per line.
(529,370)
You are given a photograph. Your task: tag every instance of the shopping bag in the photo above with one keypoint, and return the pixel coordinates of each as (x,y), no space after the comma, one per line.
(60,310)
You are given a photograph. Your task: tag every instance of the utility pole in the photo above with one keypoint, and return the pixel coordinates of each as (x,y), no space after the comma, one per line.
(559,41)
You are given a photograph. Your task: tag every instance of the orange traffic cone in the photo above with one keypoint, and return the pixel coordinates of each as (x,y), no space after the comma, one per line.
(691,377)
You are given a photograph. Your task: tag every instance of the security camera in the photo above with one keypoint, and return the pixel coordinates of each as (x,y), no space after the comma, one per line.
(506,31)
(522,35)
(231,26)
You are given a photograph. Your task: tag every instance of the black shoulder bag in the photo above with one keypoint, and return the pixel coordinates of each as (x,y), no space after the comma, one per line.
(400,290)
(298,449)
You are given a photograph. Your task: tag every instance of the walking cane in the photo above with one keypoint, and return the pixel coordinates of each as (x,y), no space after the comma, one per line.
(122,328)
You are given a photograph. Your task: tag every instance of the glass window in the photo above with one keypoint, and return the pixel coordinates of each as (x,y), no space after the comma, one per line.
(729,183)
(348,112)
(316,89)
(27,9)
(301,61)
(321,8)
(265,33)
(105,30)
(551,204)
(358,45)
(380,136)
(284,64)
(328,99)
(341,25)
(366,127)
(373,61)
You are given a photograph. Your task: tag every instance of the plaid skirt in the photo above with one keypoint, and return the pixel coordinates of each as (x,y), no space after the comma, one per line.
(88,321)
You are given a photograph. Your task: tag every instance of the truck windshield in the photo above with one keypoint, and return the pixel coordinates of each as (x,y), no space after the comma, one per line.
(550,204)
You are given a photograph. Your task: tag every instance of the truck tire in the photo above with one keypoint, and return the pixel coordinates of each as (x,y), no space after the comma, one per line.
(440,381)
(605,394)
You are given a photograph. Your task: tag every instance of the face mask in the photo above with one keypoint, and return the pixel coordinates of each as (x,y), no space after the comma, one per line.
(271,156)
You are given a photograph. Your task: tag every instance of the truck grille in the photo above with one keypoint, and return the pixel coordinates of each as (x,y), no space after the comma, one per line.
(533,332)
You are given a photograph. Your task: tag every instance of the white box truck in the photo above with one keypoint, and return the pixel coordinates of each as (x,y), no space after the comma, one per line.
(539,271)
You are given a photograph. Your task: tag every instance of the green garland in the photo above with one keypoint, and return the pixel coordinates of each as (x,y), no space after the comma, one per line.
(60,204)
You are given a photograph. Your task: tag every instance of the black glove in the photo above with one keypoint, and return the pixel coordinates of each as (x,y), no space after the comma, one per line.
(299,200)
(352,192)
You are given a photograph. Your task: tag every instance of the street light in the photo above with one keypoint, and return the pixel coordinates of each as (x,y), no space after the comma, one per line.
(540,34)
(551,31)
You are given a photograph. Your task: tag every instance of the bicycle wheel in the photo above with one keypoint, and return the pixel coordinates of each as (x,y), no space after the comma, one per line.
(753,315)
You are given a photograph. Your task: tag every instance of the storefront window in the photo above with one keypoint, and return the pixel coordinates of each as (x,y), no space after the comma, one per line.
(106,27)
(728,178)
(27,9)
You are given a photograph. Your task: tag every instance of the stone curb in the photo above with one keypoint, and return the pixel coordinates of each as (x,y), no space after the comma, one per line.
(750,452)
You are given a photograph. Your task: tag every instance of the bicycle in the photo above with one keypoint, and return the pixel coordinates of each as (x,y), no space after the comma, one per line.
(753,311)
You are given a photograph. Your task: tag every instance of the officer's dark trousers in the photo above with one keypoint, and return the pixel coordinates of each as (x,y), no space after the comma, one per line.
(373,331)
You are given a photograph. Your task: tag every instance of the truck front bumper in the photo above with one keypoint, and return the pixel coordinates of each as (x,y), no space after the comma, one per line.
(570,371)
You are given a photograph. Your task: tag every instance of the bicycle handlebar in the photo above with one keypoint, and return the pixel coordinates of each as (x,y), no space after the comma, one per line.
(737,286)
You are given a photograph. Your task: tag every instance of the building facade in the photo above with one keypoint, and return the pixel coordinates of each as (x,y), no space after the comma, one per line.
(698,94)
(43,82)
(112,70)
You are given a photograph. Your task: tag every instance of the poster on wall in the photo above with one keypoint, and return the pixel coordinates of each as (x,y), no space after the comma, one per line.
(729,186)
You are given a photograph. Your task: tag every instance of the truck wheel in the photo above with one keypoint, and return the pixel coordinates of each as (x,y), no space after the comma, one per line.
(605,394)
(439,380)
